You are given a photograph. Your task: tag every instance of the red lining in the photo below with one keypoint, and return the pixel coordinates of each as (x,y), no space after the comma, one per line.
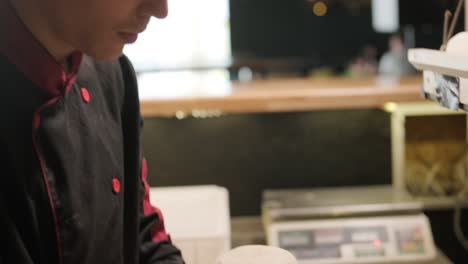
(158,232)
(36,124)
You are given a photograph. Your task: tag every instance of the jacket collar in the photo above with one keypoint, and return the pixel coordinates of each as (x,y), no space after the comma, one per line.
(30,57)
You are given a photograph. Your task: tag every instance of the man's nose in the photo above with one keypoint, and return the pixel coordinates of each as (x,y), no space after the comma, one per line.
(156,8)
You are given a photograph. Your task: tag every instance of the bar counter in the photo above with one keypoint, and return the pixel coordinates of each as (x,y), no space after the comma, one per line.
(182,95)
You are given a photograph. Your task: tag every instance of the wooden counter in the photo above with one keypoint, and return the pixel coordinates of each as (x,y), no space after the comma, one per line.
(273,95)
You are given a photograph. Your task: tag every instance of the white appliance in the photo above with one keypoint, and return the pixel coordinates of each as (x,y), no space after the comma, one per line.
(350,225)
(198,220)
(446,71)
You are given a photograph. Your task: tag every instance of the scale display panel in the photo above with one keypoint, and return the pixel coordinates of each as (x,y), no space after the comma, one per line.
(356,240)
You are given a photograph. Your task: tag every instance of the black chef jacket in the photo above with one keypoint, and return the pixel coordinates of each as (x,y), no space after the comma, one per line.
(72,180)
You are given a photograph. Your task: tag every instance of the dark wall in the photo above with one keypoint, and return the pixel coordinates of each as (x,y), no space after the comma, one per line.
(248,153)
(289,29)
(279,29)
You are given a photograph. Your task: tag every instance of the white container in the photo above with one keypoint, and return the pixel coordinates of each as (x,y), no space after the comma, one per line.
(198,220)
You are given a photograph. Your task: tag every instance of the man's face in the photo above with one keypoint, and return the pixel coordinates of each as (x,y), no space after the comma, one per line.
(100,28)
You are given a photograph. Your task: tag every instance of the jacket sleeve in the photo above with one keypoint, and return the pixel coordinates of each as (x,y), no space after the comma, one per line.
(155,244)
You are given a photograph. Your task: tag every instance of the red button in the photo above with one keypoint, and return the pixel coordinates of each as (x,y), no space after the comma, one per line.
(116,185)
(85,95)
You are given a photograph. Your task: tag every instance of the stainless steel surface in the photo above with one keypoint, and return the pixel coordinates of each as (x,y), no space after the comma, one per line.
(439,203)
(337,202)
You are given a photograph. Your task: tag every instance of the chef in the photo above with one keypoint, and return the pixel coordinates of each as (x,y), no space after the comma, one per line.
(72,176)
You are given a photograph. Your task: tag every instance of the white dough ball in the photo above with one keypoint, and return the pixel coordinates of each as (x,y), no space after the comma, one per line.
(257,255)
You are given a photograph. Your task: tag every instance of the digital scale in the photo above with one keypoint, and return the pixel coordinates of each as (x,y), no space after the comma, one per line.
(350,225)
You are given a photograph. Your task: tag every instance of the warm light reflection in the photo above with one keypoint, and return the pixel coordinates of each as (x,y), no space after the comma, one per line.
(390,107)
(182,84)
(320,8)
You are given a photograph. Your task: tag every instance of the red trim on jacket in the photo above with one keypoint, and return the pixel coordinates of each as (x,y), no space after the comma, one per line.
(36,124)
(22,49)
(158,232)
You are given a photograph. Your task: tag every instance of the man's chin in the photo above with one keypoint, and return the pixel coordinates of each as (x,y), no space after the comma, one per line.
(106,55)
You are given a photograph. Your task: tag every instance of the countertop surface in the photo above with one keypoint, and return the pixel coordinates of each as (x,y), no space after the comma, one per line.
(211,93)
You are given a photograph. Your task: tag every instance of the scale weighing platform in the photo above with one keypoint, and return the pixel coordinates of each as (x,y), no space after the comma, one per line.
(350,225)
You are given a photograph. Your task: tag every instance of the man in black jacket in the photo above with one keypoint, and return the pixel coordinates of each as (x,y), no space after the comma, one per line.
(72,178)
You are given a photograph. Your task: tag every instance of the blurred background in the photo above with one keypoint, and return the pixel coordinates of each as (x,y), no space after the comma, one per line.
(298,38)
(257,95)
